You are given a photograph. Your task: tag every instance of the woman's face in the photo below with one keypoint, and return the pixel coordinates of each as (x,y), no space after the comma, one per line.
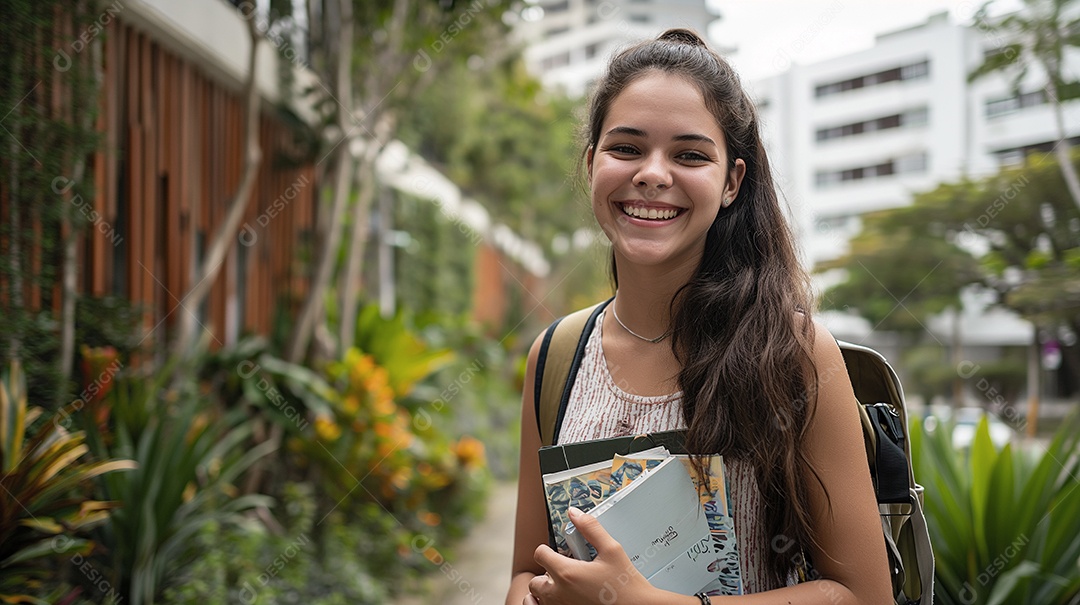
(659,173)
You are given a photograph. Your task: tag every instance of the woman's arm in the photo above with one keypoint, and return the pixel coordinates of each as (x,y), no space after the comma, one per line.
(530,528)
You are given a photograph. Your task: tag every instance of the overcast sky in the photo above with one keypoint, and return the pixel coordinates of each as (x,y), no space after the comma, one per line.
(771,34)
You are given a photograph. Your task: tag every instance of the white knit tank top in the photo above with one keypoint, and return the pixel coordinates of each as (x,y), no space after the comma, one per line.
(599,409)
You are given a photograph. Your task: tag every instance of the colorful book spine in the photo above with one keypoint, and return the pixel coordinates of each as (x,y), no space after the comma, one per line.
(714,501)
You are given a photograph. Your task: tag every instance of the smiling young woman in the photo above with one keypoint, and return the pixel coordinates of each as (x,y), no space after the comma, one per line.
(682,188)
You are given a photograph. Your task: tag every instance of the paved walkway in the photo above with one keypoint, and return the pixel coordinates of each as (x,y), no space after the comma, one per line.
(479,573)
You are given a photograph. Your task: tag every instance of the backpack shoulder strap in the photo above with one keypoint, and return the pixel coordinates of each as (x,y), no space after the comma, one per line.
(557,364)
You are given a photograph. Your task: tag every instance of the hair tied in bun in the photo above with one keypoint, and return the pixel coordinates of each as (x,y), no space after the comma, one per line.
(682,36)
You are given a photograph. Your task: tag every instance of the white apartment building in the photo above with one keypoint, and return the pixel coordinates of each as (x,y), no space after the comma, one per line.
(568,42)
(867,130)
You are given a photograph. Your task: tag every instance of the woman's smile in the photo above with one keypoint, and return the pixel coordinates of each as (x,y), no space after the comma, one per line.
(649,212)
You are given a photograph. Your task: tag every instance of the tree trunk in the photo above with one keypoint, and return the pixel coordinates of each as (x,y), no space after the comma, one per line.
(387,293)
(957,358)
(1062,150)
(354,262)
(69,271)
(331,238)
(379,85)
(15,282)
(225,236)
(1034,381)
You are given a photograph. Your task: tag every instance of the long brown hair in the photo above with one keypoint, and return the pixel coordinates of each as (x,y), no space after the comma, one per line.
(741,326)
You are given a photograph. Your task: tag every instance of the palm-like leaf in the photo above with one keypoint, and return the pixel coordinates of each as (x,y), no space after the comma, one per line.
(1005,525)
(187,462)
(41,488)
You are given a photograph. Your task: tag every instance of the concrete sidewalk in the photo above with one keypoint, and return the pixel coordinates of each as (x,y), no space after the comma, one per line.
(479,573)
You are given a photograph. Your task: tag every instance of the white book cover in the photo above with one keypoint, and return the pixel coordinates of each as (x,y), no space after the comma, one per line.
(659,521)
(691,572)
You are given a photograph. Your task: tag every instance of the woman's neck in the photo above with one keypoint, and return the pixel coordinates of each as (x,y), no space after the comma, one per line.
(645,294)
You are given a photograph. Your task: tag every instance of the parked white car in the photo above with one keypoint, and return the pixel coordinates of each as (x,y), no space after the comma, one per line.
(966,422)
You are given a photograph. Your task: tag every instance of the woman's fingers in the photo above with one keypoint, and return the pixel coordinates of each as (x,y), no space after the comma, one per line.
(540,586)
(592,531)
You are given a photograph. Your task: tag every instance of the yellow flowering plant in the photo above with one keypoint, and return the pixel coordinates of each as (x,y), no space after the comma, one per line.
(370,447)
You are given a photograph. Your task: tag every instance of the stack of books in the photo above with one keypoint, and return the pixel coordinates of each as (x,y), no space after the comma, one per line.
(677,531)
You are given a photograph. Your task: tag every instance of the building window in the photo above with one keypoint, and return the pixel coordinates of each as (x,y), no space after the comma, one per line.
(911,118)
(915,71)
(592,50)
(557,7)
(908,164)
(916,117)
(639,18)
(1016,155)
(1010,157)
(555,61)
(914,163)
(1007,105)
(827,224)
(912,71)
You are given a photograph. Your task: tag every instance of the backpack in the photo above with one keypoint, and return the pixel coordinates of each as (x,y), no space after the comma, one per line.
(885,434)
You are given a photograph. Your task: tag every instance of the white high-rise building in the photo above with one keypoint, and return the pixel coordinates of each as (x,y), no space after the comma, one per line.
(867,130)
(569,41)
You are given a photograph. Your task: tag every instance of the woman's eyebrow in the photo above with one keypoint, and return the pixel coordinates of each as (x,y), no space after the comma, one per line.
(627,130)
(637,132)
(694,137)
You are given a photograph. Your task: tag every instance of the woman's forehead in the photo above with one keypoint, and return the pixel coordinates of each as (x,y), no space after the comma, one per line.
(661,103)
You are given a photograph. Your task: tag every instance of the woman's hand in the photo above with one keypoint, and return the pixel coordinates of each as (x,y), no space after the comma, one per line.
(607,579)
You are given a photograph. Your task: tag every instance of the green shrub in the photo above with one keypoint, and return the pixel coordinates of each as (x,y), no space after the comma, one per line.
(188,456)
(332,562)
(45,502)
(1005,525)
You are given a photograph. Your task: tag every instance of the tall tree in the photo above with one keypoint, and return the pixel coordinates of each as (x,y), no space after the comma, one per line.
(508,142)
(337,53)
(896,277)
(224,237)
(400,48)
(1041,34)
(1015,234)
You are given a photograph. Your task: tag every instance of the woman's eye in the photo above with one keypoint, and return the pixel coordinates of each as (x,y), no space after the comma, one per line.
(693,156)
(624,149)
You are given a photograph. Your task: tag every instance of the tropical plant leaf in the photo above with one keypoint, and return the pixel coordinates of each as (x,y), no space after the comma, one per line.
(187,458)
(393,346)
(1005,588)
(983,458)
(1024,545)
(45,485)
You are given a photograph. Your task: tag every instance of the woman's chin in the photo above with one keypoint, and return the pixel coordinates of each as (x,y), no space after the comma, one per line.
(652,257)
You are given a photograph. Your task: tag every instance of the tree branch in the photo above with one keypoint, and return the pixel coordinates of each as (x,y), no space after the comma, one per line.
(225,236)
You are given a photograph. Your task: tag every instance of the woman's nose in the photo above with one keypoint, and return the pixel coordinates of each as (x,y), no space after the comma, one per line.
(653,172)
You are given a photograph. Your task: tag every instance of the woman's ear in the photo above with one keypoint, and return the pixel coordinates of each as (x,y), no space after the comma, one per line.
(588,161)
(734,182)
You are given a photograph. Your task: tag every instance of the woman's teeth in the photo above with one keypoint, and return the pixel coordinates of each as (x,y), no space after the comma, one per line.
(650,213)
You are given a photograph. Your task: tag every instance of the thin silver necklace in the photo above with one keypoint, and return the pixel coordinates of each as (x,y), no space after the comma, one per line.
(615,314)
